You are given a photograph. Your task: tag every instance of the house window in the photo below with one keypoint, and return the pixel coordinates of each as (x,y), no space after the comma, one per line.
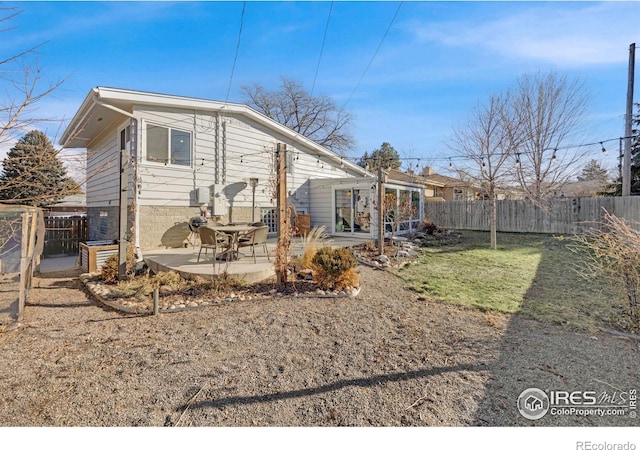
(269,217)
(125,138)
(168,146)
(458,195)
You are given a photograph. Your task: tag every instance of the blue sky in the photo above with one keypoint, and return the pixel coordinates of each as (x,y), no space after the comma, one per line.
(437,60)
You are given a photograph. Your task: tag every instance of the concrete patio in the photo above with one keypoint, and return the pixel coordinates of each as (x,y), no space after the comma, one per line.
(185,260)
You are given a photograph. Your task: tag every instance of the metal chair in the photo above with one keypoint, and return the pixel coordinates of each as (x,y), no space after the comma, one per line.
(210,238)
(257,236)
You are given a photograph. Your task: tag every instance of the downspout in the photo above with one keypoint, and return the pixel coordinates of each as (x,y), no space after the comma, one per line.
(136,186)
(216,178)
(224,152)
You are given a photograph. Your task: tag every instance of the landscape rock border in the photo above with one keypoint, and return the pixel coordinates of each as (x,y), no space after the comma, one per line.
(100,291)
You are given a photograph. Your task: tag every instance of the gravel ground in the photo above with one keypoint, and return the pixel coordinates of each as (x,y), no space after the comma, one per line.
(385,358)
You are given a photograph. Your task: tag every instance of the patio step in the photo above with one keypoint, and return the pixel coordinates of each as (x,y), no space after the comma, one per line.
(185,262)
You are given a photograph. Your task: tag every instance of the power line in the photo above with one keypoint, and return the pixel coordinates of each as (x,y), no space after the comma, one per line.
(374,55)
(235,58)
(324,38)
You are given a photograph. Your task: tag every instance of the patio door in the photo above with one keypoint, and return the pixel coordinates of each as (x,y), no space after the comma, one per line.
(352,210)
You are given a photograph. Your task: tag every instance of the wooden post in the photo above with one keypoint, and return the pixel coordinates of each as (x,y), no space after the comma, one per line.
(31,251)
(123,217)
(380,211)
(156,295)
(23,264)
(283,220)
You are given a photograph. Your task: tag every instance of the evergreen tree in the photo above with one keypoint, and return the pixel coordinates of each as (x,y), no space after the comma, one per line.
(593,171)
(386,157)
(615,189)
(33,174)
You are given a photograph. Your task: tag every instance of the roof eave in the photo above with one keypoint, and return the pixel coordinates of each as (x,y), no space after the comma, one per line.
(107,94)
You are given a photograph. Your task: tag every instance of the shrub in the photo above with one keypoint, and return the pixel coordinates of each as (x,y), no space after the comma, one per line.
(310,247)
(334,268)
(109,271)
(170,278)
(427,227)
(613,250)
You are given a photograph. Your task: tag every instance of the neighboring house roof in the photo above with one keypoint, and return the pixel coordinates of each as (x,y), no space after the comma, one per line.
(412,178)
(433,179)
(451,182)
(78,200)
(104,106)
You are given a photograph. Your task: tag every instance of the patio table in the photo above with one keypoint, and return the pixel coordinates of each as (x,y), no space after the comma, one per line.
(234,231)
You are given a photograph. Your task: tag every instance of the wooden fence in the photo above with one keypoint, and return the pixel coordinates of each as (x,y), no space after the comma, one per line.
(64,234)
(21,235)
(558,216)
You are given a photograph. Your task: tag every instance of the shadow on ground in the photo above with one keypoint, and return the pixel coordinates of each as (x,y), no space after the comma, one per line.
(555,357)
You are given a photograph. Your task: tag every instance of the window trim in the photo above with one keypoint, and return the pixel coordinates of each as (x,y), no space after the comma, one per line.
(168,162)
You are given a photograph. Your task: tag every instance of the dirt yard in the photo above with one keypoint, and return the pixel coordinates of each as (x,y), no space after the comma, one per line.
(385,358)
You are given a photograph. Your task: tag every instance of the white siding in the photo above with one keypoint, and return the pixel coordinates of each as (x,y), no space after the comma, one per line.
(103,171)
(229,150)
(322,198)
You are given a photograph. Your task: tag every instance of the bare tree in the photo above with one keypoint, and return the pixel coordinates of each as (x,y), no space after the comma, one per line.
(316,117)
(23,85)
(486,142)
(547,110)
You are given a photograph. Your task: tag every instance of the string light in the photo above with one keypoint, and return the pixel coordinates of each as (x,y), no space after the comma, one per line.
(604,150)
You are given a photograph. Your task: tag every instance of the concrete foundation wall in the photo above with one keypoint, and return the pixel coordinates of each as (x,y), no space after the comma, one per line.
(168,226)
(160,226)
(103,223)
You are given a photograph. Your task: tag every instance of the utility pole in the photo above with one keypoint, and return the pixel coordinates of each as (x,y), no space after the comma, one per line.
(628,129)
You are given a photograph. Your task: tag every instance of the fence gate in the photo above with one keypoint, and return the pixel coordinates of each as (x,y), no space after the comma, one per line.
(64,234)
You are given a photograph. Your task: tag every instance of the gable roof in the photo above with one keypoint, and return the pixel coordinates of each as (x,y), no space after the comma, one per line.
(104,106)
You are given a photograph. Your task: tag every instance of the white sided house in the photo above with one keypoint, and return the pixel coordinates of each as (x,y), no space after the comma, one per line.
(186,157)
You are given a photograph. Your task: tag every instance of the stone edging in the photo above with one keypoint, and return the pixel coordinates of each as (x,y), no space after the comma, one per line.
(353,294)
(97,291)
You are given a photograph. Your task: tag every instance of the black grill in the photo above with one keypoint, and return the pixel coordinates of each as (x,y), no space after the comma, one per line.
(197,222)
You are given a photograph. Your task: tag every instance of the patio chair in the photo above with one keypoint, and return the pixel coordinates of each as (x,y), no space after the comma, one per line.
(210,238)
(255,237)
